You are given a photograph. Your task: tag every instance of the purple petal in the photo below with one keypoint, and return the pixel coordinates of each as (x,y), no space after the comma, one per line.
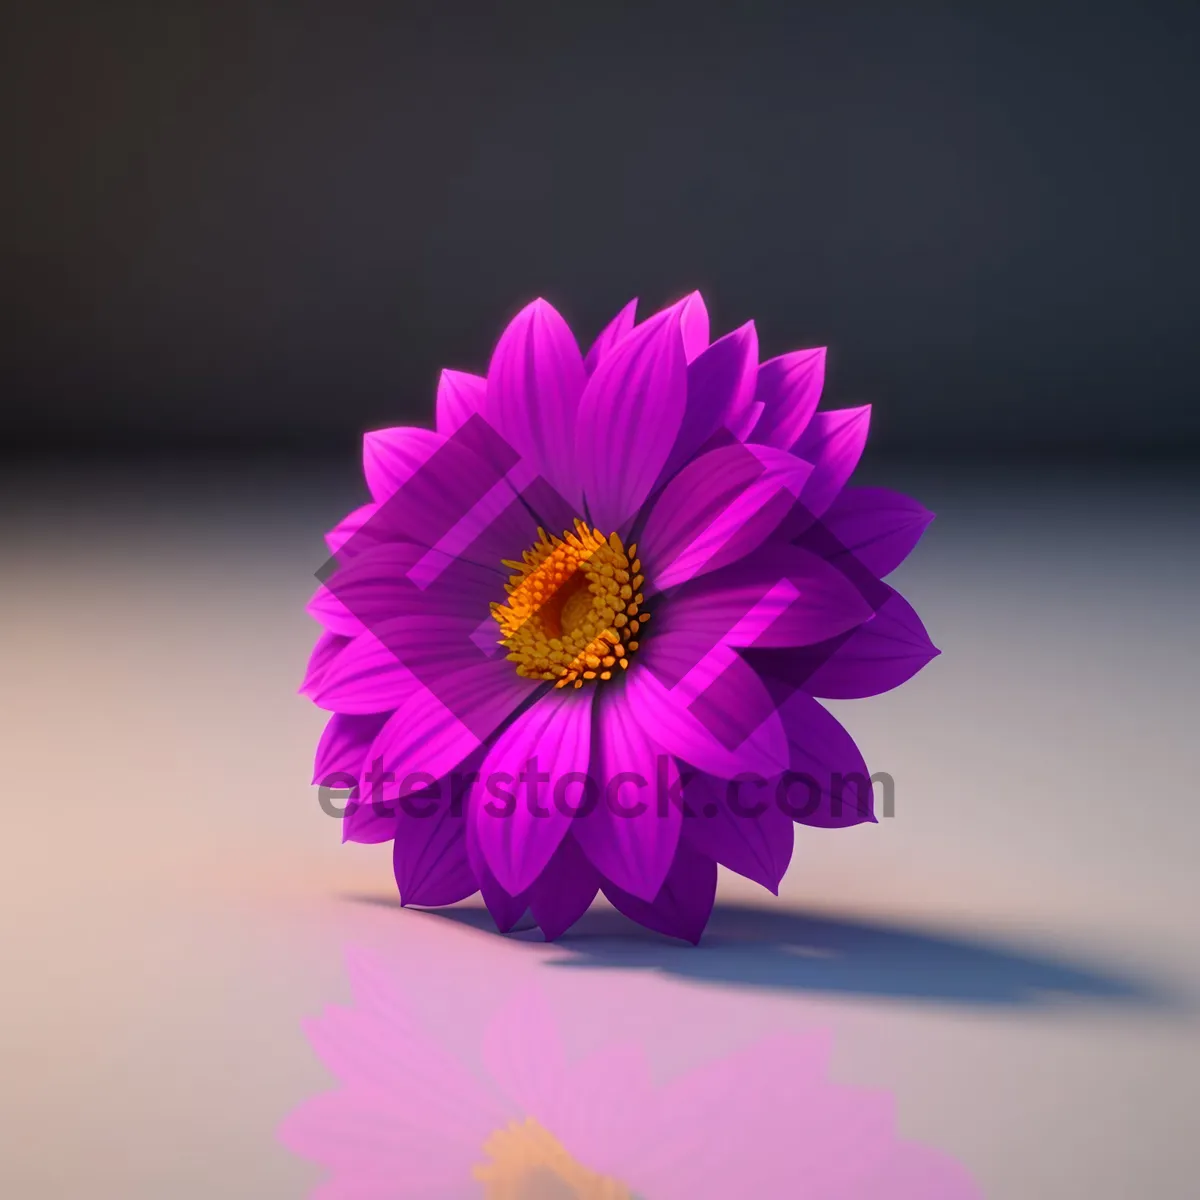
(629,417)
(366,677)
(744,424)
(430,853)
(343,746)
(833,442)
(829,785)
(327,648)
(717,509)
(534,384)
(434,729)
(337,619)
(341,755)
(368,823)
(518,823)
(879,655)
(778,596)
(459,395)
(506,909)
(720,383)
(392,456)
(706,707)
(694,325)
(564,891)
(384,583)
(682,908)
(344,531)
(610,335)
(789,388)
(876,526)
(435,647)
(740,826)
(629,836)
(434,492)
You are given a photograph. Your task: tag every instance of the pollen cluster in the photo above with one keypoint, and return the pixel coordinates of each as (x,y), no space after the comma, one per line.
(574,607)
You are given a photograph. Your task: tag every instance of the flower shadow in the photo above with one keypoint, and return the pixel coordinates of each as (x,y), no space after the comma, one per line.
(771,948)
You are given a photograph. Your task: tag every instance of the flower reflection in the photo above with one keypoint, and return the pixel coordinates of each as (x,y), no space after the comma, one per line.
(530,1122)
(526,1160)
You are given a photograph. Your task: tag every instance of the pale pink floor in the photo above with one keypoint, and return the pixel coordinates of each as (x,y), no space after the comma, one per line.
(176,903)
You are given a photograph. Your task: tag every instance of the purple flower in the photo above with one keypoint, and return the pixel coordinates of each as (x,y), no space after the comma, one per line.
(574,642)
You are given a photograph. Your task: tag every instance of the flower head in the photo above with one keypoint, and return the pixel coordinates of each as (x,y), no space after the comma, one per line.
(502,704)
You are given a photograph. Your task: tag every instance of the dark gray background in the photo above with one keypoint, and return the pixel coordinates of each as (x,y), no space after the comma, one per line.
(265,225)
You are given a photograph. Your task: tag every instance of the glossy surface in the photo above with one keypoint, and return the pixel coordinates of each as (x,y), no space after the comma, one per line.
(1009,964)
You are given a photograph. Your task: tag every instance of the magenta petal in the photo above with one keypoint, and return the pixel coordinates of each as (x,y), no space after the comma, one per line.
(459,395)
(429,497)
(430,853)
(829,786)
(392,456)
(564,890)
(694,325)
(480,697)
(385,583)
(519,821)
(610,335)
(628,835)
(338,621)
(778,596)
(629,417)
(341,756)
(432,732)
(692,314)
(343,747)
(789,389)
(717,509)
(434,647)
(327,648)
(366,677)
(347,527)
(506,910)
(833,442)
(879,655)
(683,905)
(744,424)
(740,826)
(876,526)
(368,824)
(534,383)
(706,707)
(720,384)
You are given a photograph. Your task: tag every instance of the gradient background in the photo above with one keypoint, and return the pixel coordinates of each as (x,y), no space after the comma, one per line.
(232,237)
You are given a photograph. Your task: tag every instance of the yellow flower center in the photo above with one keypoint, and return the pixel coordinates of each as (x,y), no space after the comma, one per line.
(529,1163)
(574,607)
